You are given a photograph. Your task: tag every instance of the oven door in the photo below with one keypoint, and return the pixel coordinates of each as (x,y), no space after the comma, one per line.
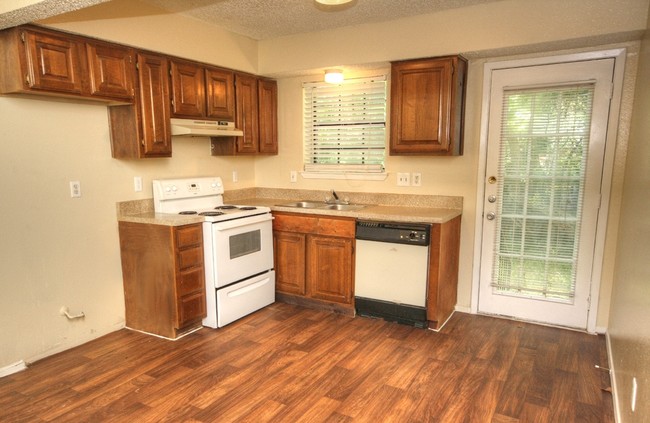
(241,248)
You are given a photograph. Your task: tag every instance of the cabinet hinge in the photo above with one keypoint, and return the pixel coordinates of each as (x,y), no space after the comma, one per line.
(137,65)
(142,142)
(22,37)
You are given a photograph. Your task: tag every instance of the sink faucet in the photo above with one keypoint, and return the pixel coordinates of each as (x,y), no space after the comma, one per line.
(335,199)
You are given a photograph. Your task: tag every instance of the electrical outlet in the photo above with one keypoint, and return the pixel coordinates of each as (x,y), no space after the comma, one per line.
(75,189)
(416,179)
(235,176)
(293,176)
(403,179)
(137,183)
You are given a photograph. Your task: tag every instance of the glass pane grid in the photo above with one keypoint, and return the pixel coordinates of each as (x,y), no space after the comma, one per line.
(544,140)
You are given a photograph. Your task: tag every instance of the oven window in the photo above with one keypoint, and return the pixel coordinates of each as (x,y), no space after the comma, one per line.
(245,243)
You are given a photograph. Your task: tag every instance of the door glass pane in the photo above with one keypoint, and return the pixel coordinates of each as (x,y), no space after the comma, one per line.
(544,143)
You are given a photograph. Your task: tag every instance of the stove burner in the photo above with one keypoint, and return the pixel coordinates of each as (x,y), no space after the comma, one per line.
(211,213)
(226,207)
(248,208)
(187,212)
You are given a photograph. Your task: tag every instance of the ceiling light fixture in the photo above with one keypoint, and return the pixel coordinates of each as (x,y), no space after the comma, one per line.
(333,76)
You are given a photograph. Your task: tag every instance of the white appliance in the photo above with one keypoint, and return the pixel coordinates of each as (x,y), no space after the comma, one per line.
(237,244)
(204,128)
(391,270)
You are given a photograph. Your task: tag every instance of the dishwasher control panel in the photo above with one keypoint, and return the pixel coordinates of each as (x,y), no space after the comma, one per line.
(401,233)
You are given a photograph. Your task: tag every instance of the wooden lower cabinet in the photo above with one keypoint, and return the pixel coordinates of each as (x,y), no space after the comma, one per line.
(442,283)
(314,260)
(163,274)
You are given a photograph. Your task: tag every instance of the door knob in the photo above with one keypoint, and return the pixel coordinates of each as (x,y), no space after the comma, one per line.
(490,216)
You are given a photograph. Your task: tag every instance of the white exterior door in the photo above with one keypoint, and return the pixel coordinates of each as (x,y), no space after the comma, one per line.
(545,152)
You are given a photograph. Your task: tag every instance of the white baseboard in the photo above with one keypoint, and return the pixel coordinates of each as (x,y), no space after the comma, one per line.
(13,368)
(463,309)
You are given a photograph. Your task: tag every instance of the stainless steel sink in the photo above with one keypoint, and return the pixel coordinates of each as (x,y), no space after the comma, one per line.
(322,205)
(343,207)
(305,204)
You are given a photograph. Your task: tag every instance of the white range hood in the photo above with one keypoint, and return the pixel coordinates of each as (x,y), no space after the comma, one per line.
(204,128)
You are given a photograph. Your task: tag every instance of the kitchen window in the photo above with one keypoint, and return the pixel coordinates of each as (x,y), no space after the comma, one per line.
(345,129)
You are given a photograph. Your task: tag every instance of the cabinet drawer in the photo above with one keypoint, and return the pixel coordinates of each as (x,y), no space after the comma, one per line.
(294,223)
(191,307)
(192,257)
(190,281)
(336,227)
(188,236)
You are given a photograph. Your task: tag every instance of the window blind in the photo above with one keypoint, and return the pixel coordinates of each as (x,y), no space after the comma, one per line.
(345,125)
(543,155)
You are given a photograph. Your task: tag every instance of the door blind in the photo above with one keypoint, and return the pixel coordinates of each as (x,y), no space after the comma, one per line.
(544,143)
(345,125)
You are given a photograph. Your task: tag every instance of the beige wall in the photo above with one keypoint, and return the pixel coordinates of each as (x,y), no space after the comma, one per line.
(629,324)
(58,251)
(61,251)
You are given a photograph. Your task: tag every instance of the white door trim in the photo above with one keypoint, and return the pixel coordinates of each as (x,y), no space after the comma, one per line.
(608,164)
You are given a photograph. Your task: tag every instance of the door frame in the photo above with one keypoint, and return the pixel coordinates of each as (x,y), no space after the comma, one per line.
(608,165)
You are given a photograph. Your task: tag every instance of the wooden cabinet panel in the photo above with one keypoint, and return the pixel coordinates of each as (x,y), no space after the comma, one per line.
(154,105)
(111,71)
(188,90)
(294,222)
(427,106)
(164,280)
(330,268)
(443,271)
(53,62)
(268,116)
(220,87)
(289,253)
(246,115)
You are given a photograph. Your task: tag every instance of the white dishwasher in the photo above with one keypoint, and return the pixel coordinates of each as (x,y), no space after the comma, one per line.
(391,268)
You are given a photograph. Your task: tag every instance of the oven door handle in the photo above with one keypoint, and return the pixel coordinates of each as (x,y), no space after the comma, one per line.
(241,222)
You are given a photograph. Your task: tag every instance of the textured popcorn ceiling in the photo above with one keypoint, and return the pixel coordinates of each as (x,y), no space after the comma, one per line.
(29,11)
(263,19)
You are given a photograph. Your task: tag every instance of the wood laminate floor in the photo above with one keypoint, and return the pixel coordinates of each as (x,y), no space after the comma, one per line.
(290,364)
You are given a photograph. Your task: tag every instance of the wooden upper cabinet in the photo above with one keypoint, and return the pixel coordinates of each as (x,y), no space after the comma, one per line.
(154,105)
(111,71)
(220,87)
(41,61)
(200,92)
(188,90)
(246,116)
(267,94)
(427,106)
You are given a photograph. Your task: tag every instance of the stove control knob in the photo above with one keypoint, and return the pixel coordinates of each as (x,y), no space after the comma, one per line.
(167,189)
(174,188)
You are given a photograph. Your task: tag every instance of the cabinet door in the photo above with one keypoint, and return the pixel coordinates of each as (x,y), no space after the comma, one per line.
(154,105)
(268,116)
(112,71)
(289,249)
(53,63)
(188,90)
(330,269)
(220,87)
(422,113)
(246,114)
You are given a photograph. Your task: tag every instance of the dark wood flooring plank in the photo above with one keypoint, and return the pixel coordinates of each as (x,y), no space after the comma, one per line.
(287,363)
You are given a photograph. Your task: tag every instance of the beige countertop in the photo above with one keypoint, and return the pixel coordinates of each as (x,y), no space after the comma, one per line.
(387,207)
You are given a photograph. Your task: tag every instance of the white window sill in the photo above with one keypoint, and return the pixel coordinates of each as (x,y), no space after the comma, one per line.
(345,175)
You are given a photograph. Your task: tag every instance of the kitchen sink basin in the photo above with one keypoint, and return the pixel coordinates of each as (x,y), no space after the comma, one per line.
(305,204)
(323,205)
(343,207)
